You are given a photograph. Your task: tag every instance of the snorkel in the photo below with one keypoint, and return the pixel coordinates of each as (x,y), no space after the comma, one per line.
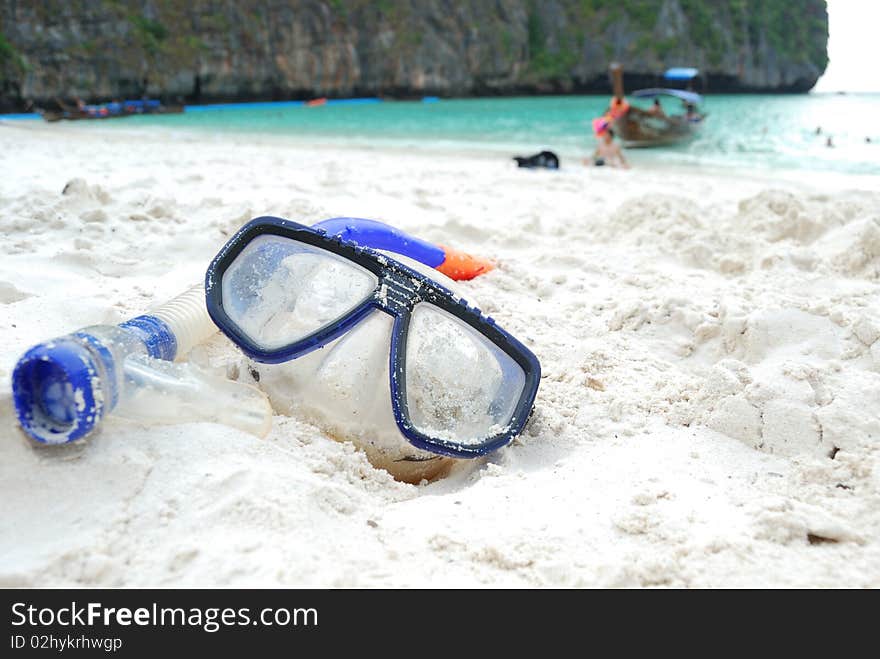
(455,264)
(319,310)
(64,388)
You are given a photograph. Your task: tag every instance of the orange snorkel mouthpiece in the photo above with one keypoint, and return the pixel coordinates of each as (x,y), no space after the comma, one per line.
(462,266)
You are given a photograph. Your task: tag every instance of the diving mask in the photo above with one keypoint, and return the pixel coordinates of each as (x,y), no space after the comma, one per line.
(296,297)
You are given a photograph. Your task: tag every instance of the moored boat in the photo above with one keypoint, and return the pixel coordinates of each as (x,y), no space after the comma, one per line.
(113,110)
(648,127)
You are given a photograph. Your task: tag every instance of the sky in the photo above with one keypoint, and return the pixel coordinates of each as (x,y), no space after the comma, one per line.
(853,47)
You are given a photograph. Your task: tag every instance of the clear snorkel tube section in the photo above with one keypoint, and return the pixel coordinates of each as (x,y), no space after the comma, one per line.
(64,388)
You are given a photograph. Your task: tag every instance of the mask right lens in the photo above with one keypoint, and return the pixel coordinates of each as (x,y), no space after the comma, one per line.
(460,386)
(279,291)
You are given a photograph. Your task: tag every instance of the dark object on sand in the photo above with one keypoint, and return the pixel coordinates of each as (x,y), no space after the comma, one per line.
(114,110)
(640,128)
(545,159)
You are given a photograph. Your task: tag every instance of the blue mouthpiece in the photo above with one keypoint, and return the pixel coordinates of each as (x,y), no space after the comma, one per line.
(62,389)
(59,389)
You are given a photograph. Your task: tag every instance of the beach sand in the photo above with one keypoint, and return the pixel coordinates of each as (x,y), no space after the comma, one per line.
(708,414)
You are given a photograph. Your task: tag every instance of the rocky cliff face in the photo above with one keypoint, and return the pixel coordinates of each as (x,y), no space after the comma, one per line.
(222,49)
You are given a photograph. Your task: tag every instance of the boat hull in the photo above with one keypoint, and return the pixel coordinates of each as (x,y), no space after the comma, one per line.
(74,115)
(637,129)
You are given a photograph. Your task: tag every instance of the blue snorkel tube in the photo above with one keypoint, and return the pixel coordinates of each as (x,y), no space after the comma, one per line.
(378,235)
(64,388)
(453,263)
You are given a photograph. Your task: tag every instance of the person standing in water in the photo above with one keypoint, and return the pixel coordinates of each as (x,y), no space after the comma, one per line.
(608,152)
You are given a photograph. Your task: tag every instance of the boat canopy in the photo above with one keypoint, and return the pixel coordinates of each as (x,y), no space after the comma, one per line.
(681,73)
(687,97)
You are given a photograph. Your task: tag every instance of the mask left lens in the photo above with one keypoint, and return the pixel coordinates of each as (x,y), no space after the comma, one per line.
(460,386)
(279,290)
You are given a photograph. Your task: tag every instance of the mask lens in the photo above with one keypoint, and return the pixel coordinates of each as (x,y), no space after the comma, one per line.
(279,291)
(459,385)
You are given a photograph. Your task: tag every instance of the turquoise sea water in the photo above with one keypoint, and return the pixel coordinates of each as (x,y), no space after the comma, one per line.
(741,130)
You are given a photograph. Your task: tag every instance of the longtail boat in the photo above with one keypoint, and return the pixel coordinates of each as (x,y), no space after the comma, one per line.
(646,127)
(114,110)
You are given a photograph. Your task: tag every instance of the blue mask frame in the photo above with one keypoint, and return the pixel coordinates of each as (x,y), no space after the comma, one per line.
(398,290)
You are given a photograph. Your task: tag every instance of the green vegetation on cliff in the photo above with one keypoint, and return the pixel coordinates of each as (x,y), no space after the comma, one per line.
(544,63)
(10,58)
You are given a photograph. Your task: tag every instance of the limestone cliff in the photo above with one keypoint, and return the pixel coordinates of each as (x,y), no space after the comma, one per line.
(222,49)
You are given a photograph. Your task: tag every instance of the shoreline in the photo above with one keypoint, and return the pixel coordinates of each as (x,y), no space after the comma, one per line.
(604,90)
(823,179)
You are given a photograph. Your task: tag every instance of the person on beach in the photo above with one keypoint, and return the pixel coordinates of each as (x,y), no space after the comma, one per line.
(608,152)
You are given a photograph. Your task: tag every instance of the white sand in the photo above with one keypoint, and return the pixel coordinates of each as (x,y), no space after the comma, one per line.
(708,343)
